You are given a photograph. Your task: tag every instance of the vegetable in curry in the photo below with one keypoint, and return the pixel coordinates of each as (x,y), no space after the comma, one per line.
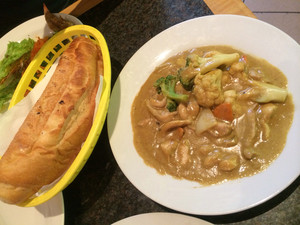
(212,114)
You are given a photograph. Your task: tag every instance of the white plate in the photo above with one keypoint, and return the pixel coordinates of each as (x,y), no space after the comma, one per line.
(33,28)
(161,219)
(243,33)
(48,213)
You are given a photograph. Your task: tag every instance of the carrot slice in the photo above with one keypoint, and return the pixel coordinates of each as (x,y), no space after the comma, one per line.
(37,46)
(223,111)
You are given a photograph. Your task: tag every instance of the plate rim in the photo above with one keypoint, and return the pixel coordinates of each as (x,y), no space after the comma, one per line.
(111,124)
(54,208)
(145,216)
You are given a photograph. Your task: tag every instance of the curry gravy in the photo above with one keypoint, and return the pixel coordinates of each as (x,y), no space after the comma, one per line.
(212,157)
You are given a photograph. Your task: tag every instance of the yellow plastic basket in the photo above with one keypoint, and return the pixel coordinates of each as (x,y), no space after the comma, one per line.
(35,72)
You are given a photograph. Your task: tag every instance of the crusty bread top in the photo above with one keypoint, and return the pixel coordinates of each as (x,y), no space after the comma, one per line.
(54,130)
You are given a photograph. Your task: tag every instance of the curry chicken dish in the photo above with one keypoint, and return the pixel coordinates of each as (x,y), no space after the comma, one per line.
(212,114)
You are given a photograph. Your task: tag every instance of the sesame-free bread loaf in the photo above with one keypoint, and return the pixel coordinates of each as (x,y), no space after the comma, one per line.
(56,127)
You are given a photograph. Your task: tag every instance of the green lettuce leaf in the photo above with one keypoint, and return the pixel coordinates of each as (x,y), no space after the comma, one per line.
(14,63)
(14,51)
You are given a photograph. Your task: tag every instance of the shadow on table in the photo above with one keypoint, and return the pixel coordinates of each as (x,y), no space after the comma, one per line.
(96,15)
(92,181)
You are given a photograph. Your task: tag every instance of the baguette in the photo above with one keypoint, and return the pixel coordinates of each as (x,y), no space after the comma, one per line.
(56,127)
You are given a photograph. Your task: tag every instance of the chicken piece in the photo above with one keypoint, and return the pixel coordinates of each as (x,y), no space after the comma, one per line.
(245,129)
(205,149)
(163,115)
(221,129)
(227,141)
(169,141)
(228,162)
(212,159)
(248,152)
(256,74)
(226,79)
(182,152)
(265,113)
(174,124)
(158,101)
(168,147)
(189,111)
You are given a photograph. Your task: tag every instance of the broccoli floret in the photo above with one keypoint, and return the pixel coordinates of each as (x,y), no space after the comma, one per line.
(265,92)
(171,105)
(166,85)
(215,59)
(186,77)
(208,89)
(200,65)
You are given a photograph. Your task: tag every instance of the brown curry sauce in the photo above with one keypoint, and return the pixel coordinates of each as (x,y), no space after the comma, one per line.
(222,152)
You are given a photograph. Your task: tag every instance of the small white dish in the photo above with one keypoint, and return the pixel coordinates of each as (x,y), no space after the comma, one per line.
(48,213)
(249,35)
(161,219)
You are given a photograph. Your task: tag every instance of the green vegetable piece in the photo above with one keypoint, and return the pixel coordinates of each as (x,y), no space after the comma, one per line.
(14,51)
(196,64)
(166,86)
(269,93)
(186,78)
(171,105)
(14,63)
(206,64)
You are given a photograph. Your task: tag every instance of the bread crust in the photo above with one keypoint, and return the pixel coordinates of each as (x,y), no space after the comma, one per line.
(54,130)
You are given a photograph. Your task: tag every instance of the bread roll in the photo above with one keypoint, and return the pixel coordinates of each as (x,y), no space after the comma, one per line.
(56,127)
